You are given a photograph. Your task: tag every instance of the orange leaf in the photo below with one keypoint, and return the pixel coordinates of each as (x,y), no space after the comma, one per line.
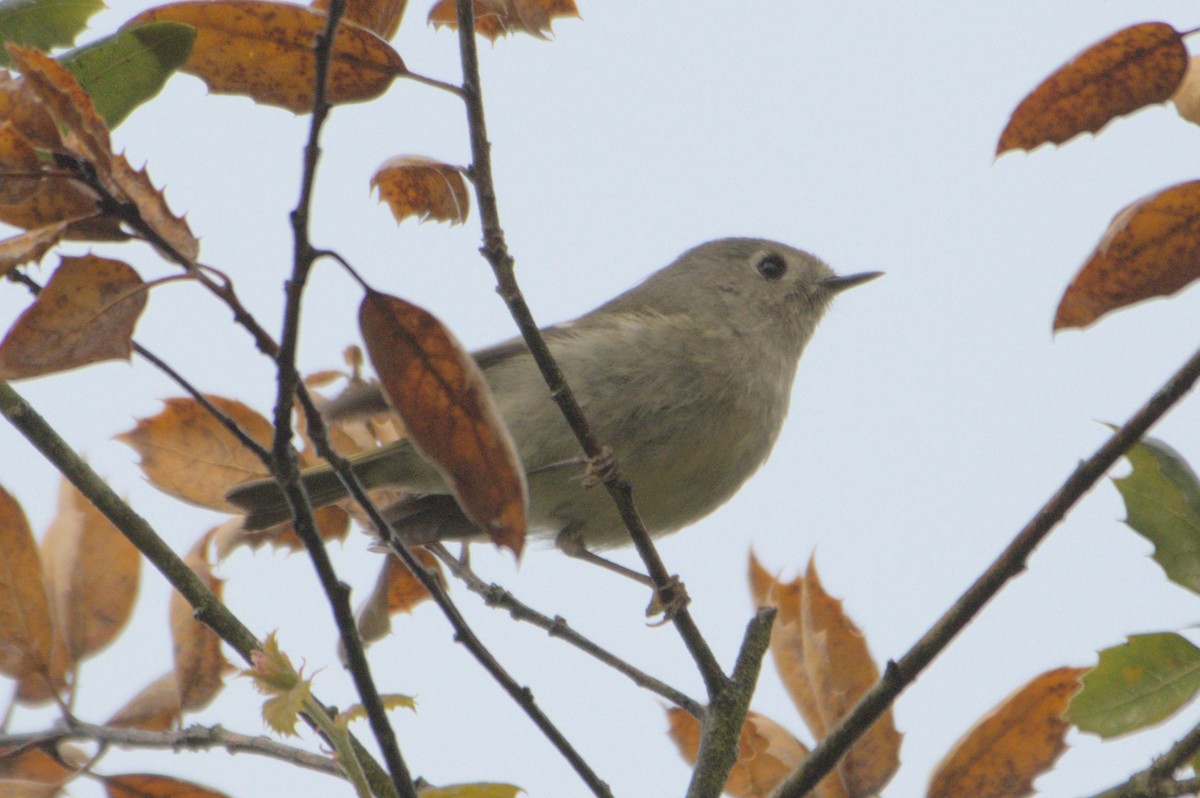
(264,50)
(396,590)
(155,708)
(25,627)
(1151,249)
(29,247)
(148,785)
(841,671)
(199,663)
(1135,67)
(766,753)
(496,18)
(85,314)
(20,105)
(92,572)
(412,185)
(189,454)
(449,413)
(380,16)
(1013,744)
(83,131)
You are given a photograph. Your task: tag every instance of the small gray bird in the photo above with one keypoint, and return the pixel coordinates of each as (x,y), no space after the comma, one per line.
(687,377)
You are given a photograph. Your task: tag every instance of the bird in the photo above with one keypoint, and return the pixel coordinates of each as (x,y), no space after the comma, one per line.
(687,377)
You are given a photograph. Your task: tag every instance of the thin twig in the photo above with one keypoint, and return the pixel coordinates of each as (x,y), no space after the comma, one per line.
(495,250)
(1158,780)
(496,596)
(193,738)
(1011,562)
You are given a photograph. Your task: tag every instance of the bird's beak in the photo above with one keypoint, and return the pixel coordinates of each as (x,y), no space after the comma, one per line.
(839,283)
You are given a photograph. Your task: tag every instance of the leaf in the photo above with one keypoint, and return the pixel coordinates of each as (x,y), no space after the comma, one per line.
(1136,684)
(41,765)
(273,674)
(1012,745)
(264,50)
(44,24)
(190,455)
(152,207)
(413,185)
(396,590)
(449,413)
(1186,98)
(379,16)
(29,247)
(199,663)
(478,790)
(1162,503)
(149,785)
(26,633)
(124,70)
(92,570)
(841,670)
(496,18)
(1135,67)
(767,753)
(154,708)
(85,314)
(19,165)
(1150,249)
(389,700)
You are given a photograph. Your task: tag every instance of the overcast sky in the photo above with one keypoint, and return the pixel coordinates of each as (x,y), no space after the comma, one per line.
(932,415)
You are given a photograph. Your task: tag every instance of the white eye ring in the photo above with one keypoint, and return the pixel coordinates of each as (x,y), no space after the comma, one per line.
(772,266)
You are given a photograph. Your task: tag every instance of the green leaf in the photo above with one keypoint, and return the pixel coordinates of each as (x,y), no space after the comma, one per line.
(1162,503)
(124,70)
(1136,684)
(44,24)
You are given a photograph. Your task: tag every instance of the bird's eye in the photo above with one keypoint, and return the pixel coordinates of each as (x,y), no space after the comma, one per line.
(772,266)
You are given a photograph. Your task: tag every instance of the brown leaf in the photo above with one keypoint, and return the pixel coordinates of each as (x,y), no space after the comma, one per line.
(396,590)
(19,165)
(1151,249)
(30,247)
(496,18)
(199,663)
(152,207)
(85,314)
(264,50)
(841,671)
(413,185)
(57,200)
(83,131)
(766,753)
(380,16)
(21,106)
(1135,67)
(154,708)
(448,411)
(42,765)
(92,572)
(189,454)
(148,785)
(1013,744)
(26,633)
(1186,98)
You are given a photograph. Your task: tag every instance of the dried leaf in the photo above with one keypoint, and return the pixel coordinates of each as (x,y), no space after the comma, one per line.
(84,134)
(92,570)
(1135,67)
(190,455)
(152,207)
(413,185)
(199,663)
(29,247)
(1012,745)
(19,165)
(149,785)
(264,50)
(396,590)
(380,16)
(1187,97)
(43,765)
(85,314)
(26,633)
(155,708)
(449,413)
(841,671)
(496,18)
(60,200)
(1151,249)
(766,753)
